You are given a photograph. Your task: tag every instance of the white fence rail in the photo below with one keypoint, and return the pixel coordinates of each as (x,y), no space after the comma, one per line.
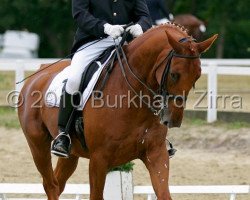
(12,188)
(215,67)
(83,189)
(211,67)
(231,190)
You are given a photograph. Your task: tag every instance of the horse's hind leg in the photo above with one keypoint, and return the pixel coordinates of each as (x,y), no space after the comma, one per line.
(39,142)
(64,169)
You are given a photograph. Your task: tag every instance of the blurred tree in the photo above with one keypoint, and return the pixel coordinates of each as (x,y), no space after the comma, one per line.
(53,22)
(228,18)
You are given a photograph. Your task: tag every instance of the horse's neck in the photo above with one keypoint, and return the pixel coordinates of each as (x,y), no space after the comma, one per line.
(143,57)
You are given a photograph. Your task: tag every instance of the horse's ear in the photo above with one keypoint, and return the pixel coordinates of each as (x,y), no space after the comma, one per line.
(205,45)
(177,46)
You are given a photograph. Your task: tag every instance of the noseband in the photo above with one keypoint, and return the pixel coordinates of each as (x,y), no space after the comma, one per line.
(163,92)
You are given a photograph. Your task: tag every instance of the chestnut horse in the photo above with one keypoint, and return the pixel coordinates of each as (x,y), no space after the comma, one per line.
(195,27)
(113,135)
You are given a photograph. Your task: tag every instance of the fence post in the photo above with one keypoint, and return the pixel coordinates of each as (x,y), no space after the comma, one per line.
(212,92)
(149,197)
(19,74)
(233,196)
(2,197)
(119,186)
(78,197)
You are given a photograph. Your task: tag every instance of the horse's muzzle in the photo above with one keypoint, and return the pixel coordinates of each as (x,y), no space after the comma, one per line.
(166,119)
(172,124)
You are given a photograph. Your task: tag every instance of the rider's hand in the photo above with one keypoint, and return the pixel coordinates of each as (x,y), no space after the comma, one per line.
(113,30)
(135,30)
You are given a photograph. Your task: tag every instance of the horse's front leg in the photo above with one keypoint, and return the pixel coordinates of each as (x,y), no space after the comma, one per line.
(64,169)
(156,160)
(97,175)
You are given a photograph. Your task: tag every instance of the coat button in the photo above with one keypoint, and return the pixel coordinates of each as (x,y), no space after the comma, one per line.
(114,14)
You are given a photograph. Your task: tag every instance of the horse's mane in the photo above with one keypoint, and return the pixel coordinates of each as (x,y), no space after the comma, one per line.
(168,26)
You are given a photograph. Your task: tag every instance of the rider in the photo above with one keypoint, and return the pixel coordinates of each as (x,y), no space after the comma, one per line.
(159,11)
(96,20)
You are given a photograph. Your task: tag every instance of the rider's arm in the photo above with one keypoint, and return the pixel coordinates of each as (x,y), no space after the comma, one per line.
(85,20)
(142,15)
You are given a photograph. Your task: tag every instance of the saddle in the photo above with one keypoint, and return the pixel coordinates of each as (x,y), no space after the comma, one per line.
(75,123)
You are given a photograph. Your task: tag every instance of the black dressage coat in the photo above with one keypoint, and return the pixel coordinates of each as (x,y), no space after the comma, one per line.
(157,9)
(91,15)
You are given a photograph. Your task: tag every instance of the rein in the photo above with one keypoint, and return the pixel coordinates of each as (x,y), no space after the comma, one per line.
(118,49)
(163,92)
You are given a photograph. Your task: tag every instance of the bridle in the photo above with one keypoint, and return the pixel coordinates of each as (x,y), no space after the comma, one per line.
(162,91)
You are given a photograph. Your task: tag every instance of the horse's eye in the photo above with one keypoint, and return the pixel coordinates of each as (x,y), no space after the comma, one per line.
(174,76)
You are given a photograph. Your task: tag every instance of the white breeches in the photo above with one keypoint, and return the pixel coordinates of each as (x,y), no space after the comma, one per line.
(82,59)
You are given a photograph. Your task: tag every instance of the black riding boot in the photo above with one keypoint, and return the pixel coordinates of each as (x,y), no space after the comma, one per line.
(62,143)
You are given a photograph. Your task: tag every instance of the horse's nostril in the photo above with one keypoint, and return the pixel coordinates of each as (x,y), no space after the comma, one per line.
(165,123)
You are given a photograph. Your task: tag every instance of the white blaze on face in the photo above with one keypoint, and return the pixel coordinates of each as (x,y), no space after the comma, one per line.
(202,28)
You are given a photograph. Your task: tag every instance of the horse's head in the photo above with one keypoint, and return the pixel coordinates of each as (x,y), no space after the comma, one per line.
(178,74)
(167,58)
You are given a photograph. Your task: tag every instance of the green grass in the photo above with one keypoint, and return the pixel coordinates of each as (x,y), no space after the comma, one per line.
(9,118)
(128,167)
(237,125)
(228,125)
(197,122)
(7,80)
(7,84)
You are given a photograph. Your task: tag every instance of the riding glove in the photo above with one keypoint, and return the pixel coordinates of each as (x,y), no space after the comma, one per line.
(171,16)
(161,21)
(113,30)
(135,30)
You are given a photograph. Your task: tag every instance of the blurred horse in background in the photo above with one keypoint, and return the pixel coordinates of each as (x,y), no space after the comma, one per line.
(194,26)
